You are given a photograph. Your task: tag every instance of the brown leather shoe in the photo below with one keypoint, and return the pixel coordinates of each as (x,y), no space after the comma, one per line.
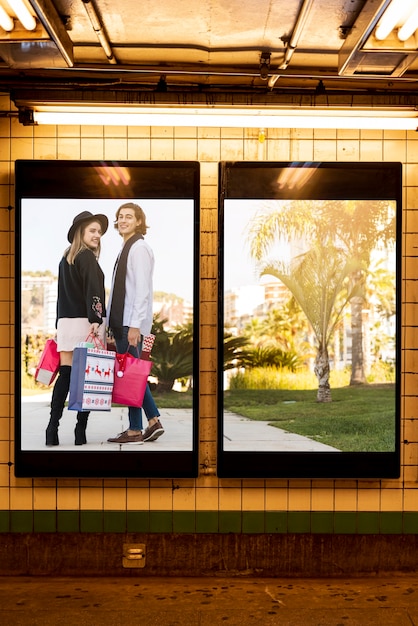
(153,432)
(125,438)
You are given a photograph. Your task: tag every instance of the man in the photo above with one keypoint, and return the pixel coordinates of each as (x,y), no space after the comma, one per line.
(130,307)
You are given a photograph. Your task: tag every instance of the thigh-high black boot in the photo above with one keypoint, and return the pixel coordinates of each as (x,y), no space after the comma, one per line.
(80,427)
(59,395)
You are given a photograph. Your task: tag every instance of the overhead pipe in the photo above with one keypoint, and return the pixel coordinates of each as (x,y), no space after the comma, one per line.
(294,39)
(99,30)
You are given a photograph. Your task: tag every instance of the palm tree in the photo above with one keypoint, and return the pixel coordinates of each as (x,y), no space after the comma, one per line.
(317,279)
(284,325)
(355,227)
(270,356)
(172,353)
(233,347)
(381,302)
(172,357)
(280,338)
(361,227)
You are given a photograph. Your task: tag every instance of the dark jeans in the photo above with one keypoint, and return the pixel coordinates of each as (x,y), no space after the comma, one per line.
(149,406)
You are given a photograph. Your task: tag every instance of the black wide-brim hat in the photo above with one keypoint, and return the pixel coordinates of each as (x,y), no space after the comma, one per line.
(86,216)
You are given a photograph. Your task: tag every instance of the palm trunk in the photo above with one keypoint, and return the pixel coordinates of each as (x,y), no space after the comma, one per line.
(357,358)
(337,349)
(345,349)
(321,370)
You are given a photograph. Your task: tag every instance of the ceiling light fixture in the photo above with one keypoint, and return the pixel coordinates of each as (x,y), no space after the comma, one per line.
(407,30)
(232,117)
(23,14)
(6,21)
(400,14)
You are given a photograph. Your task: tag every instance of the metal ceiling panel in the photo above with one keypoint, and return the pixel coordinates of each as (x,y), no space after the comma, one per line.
(209,44)
(32,55)
(363,54)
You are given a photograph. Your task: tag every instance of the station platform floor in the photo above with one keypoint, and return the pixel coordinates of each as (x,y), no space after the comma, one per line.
(385,600)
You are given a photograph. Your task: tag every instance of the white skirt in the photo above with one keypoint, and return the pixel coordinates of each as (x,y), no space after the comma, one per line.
(73,330)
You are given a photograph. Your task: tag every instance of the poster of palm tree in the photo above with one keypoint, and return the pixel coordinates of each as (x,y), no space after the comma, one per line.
(309,309)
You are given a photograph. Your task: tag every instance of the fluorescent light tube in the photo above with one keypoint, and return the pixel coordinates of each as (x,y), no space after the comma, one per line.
(407,30)
(24,16)
(6,21)
(396,13)
(230,118)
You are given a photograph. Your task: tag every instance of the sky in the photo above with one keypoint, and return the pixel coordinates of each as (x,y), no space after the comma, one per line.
(45,224)
(239,268)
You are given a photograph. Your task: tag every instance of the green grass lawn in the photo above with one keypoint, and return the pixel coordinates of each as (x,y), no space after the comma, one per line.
(173,399)
(359,419)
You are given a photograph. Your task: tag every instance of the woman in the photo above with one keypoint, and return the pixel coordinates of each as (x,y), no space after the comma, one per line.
(80,311)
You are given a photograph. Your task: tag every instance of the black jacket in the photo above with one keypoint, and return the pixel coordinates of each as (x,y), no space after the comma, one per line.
(81,288)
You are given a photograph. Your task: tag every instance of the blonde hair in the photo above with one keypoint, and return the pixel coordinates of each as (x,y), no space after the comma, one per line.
(77,244)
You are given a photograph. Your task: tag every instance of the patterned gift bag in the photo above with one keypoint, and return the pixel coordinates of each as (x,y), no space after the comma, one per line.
(92,376)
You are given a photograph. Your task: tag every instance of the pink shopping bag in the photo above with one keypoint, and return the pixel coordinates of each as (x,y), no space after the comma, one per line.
(49,363)
(131,375)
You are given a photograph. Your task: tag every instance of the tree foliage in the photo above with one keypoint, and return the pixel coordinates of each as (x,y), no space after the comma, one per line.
(337,239)
(317,279)
(172,354)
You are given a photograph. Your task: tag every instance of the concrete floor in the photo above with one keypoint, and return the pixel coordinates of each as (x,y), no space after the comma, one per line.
(240,433)
(390,600)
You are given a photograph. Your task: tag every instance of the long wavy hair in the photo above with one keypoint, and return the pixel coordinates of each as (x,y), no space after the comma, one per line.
(78,244)
(139,215)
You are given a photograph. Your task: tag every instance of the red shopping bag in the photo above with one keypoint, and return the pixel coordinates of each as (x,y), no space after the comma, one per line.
(49,363)
(131,375)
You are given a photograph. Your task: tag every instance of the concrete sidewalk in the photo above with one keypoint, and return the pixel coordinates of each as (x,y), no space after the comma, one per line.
(177,423)
(210,601)
(240,433)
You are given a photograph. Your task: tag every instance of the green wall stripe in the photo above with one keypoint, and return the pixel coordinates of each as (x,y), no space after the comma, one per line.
(247,522)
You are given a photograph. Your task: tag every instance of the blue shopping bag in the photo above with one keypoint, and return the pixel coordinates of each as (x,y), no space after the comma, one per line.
(91,381)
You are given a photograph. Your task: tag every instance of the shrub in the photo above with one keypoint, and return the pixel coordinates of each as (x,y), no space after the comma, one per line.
(381,372)
(272,378)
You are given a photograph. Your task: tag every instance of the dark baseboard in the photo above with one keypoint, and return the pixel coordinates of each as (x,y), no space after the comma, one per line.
(172,554)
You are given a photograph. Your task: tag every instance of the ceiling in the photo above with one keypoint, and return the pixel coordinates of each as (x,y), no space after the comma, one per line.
(254,48)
